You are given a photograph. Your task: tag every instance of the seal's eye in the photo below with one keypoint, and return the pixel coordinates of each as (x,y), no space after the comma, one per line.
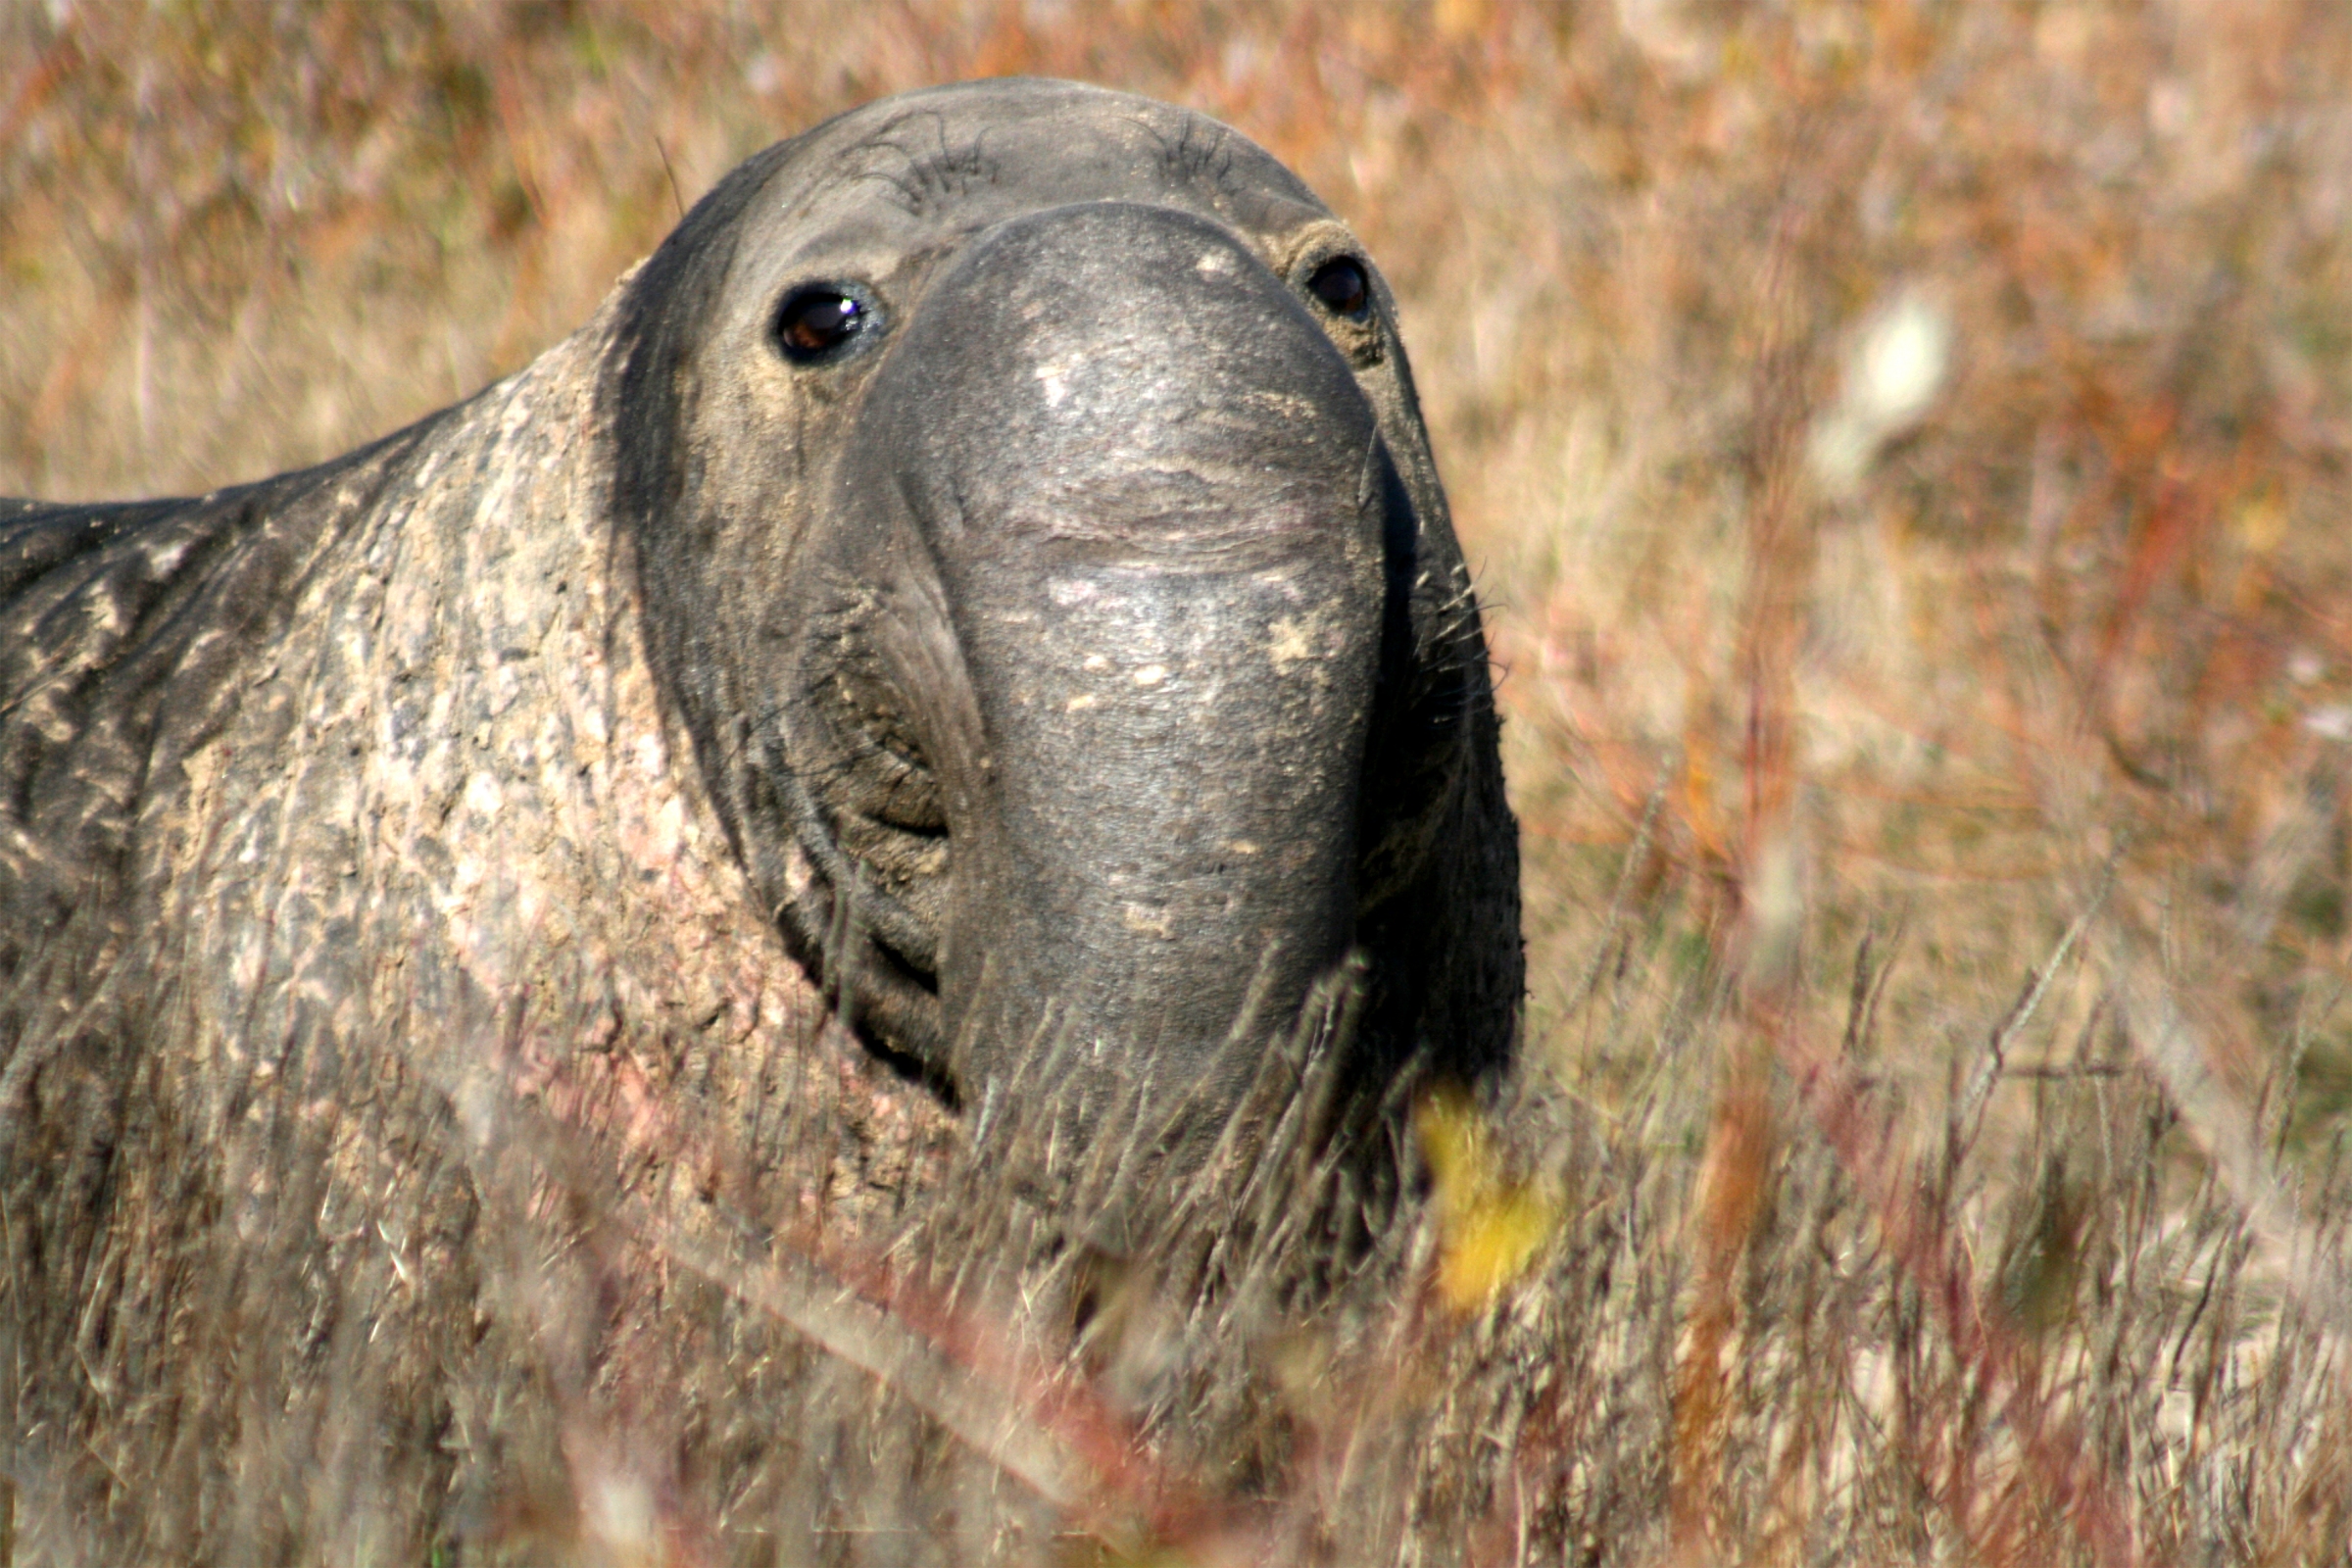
(1341,284)
(815,322)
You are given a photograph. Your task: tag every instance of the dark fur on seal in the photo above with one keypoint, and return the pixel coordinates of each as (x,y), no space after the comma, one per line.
(366,829)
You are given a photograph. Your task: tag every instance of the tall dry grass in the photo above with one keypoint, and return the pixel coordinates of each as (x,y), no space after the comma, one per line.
(1904,444)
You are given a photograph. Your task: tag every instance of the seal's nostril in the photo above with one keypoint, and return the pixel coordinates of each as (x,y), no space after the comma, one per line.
(1341,285)
(816,322)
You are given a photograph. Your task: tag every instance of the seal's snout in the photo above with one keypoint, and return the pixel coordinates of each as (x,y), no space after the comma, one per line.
(1146,479)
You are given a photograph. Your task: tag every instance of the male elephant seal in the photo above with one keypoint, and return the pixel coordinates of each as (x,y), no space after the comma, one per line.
(983,578)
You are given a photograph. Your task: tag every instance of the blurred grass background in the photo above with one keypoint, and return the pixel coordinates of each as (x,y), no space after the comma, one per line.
(1904,451)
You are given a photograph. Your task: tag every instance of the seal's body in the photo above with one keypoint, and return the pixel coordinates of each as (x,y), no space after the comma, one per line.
(983,582)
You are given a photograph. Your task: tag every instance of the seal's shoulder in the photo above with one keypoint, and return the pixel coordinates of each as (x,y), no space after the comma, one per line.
(39,537)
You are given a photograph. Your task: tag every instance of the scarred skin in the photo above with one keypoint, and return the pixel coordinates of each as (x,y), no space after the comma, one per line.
(1074,659)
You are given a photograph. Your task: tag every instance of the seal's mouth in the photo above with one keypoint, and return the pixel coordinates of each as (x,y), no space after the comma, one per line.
(868,813)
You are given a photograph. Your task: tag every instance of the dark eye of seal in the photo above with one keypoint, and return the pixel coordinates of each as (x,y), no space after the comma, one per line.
(1341,284)
(814,322)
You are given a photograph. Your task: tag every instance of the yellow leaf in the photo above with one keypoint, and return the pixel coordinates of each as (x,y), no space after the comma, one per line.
(1490,1229)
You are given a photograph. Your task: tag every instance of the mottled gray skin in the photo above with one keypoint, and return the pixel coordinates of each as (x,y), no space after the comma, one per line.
(1081,662)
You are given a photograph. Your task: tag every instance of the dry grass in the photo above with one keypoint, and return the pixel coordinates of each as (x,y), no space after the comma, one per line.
(1905,445)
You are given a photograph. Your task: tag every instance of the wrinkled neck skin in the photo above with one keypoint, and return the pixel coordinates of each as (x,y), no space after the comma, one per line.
(445,833)
(1081,663)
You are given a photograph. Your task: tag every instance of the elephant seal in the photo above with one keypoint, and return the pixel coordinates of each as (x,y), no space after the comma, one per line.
(983,581)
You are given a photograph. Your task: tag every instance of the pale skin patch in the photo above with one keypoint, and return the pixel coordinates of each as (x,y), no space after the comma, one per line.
(484,795)
(1150,921)
(1055,379)
(1287,642)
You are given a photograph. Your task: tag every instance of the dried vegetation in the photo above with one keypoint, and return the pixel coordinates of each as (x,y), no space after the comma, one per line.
(1906,446)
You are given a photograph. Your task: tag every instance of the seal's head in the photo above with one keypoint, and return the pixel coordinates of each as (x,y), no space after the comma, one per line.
(1039,542)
